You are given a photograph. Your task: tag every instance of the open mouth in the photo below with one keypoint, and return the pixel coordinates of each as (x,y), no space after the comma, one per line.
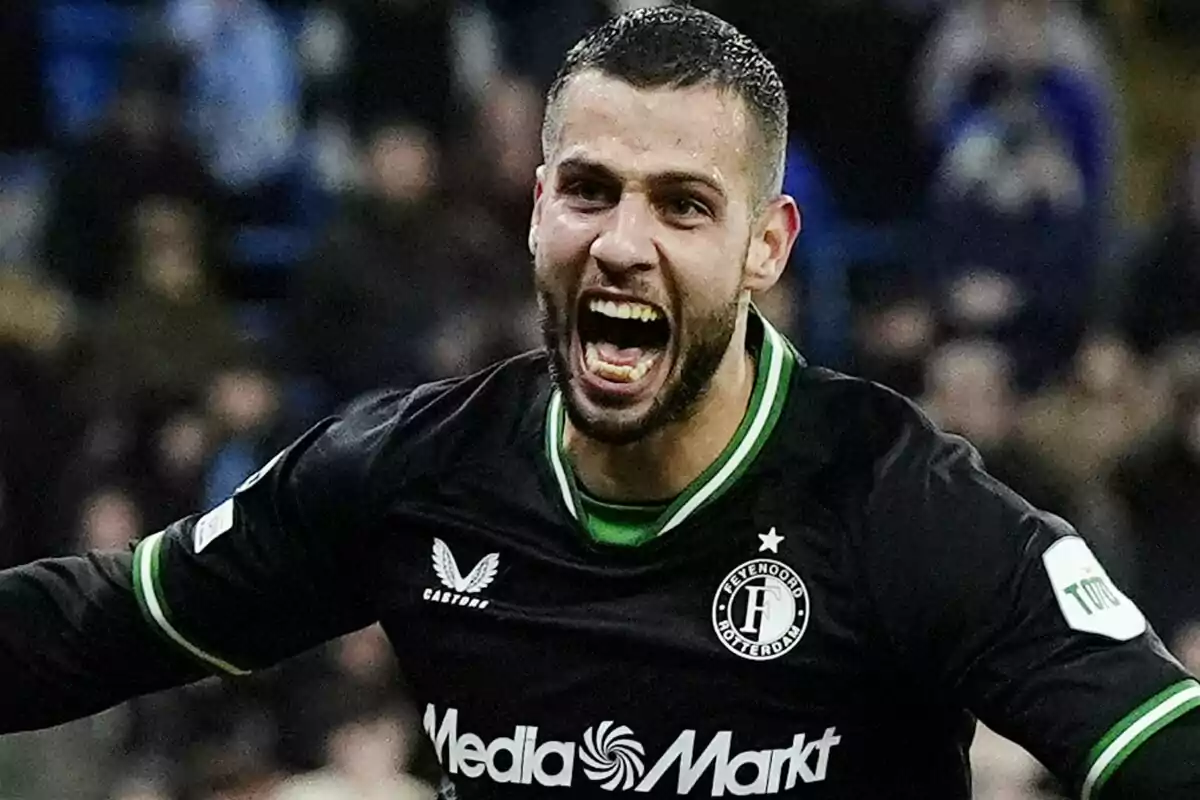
(621,340)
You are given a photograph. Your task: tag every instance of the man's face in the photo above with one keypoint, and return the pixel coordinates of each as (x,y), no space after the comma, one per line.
(641,233)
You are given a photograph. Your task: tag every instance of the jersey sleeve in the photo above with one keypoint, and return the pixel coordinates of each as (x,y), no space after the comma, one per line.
(1004,610)
(281,566)
(72,642)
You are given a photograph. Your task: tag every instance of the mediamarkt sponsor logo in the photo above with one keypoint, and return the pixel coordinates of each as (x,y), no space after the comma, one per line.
(610,755)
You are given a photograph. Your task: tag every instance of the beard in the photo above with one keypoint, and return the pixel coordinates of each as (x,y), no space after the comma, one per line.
(691,376)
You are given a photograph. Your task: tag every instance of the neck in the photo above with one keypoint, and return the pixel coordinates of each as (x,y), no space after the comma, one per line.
(664,463)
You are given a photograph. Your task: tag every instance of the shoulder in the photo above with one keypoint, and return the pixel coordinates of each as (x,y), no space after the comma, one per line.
(918,494)
(437,423)
(388,440)
(883,462)
(857,427)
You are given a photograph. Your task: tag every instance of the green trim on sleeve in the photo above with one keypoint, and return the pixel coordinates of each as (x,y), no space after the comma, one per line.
(147,585)
(1133,730)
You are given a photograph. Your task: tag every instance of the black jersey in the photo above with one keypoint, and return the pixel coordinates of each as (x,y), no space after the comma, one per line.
(822,615)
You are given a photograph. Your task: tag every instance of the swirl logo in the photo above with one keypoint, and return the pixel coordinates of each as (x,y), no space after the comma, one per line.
(612,755)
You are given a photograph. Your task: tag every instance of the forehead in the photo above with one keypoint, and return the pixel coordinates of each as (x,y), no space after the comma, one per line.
(643,131)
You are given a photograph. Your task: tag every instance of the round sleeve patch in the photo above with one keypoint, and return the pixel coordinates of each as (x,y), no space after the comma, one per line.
(1089,600)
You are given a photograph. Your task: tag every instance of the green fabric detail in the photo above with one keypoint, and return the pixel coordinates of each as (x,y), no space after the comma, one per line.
(147,585)
(139,589)
(613,523)
(1164,763)
(563,479)
(776,410)
(775,363)
(1133,730)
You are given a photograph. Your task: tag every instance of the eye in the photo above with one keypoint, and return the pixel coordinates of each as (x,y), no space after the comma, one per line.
(587,192)
(685,207)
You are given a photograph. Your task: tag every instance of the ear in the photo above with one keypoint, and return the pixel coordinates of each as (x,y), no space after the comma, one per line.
(539,190)
(774,235)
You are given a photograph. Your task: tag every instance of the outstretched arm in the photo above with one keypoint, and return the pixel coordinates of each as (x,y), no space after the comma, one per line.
(73,642)
(1006,607)
(281,566)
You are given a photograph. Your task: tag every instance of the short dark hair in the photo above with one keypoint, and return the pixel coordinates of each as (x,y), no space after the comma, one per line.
(682,46)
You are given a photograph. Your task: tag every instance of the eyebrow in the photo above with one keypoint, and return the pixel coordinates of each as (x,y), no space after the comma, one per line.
(580,165)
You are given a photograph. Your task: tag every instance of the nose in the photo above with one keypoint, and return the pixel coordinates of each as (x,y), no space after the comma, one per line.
(626,242)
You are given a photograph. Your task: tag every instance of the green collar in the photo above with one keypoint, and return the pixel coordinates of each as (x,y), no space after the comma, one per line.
(620,524)
(776,360)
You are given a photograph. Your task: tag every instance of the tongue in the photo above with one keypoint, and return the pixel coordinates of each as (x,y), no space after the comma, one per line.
(620,356)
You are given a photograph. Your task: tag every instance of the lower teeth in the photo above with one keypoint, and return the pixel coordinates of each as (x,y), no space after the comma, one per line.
(617,372)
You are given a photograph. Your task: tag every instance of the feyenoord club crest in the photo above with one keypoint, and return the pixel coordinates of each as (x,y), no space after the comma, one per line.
(760,610)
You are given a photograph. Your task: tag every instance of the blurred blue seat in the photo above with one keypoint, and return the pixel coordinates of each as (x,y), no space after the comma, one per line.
(259,322)
(88,24)
(85,42)
(233,462)
(829,247)
(270,246)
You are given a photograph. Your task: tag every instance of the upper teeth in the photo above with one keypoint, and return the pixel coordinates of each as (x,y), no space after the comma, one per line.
(624,309)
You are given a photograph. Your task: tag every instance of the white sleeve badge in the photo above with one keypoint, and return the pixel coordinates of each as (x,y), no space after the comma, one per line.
(1087,597)
(220,519)
(262,471)
(212,525)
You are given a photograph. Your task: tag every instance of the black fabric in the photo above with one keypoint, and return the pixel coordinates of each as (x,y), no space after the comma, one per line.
(73,642)
(1166,767)
(965,596)
(825,627)
(295,567)
(928,599)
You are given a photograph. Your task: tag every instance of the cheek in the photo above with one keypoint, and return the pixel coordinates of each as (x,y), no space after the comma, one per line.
(561,247)
(709,272)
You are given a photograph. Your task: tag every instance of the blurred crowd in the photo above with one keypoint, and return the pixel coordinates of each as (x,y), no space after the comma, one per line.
(221,219)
